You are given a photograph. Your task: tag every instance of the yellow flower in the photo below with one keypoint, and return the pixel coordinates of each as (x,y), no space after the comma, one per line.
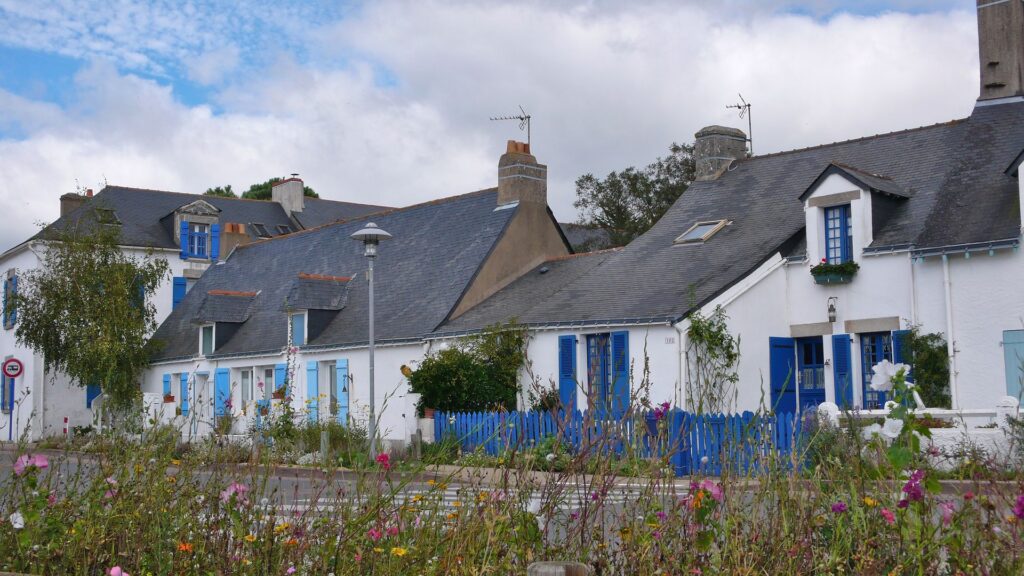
(176,462)
(378,550)
(870,502)
(431,482)
(482,497)
(398,551)
(453,515)
(172,479)
(250,537)
(457,504)
(282,527)
(246,561)
(417,498)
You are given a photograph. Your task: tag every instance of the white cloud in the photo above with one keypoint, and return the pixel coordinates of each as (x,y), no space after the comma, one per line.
(609,85)
(211,67)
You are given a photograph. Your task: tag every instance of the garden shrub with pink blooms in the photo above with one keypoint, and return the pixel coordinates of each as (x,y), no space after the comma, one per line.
(135,510)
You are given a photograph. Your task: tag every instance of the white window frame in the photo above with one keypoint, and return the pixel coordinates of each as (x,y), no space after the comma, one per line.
(213,338)
(718,225)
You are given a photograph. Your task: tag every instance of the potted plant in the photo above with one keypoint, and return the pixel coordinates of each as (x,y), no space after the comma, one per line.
(825,273)
(168,398)
(278,394)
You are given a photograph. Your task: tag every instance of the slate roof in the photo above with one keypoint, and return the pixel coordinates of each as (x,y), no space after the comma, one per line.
(143,213)
(873,182)
(954,172)
(317,292)
(420,275)
(225,306)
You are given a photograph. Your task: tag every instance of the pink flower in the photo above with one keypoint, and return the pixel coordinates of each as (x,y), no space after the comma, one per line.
(117,571)
(969,495)
(392,530)
(839,507)
(384,460)
(714,489)
(1018,509)
(52,498)
(661,515)
(913,488)
(946,509)
(661,410)
(113,488)
(290,570)
(234,489)
(26,462)
(890,518)
(374,534)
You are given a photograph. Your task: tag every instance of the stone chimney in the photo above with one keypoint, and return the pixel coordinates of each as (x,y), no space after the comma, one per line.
(71,201)
(1001,48)
(288,193)
(715,148)
(520,177)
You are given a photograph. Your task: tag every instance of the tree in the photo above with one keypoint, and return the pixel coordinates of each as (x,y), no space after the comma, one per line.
(627,203)
(87,310)
(222,191)
(929,361)
(261,191)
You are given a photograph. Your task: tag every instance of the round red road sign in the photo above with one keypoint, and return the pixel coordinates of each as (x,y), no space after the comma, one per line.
(13,367)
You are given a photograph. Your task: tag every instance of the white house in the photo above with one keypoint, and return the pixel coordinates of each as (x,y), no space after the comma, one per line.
(189,231)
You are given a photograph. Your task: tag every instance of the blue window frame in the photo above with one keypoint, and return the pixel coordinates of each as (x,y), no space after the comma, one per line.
(874,348)
(198,240)
(838,234)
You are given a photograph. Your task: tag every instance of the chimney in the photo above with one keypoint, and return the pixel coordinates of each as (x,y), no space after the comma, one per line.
(715,148)
(520,177)
(71,201)
(1001,48)
(288,193)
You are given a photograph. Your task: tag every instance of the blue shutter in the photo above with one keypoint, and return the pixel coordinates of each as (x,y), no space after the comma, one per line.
(280,372)
(14,306)
(180,285)
(221,391)
(845,239)
(7,290)
(782,374)
(567,372)
(184,240)
(620,373)
(91,392)
(313,390)
(341,381)
(1013,356)
(167,384)
(842,370)
(214,242)
(900,352)
(184,393)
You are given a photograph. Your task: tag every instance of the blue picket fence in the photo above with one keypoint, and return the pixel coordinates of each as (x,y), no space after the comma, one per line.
(711,444)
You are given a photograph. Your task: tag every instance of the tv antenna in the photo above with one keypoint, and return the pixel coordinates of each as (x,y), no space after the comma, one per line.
(524,121)
(744,109)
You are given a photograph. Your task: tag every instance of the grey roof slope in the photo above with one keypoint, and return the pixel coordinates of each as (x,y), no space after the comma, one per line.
(420,275)
(313,292)
(140,212)
(585,238)
(318,211)
(222,306)
(960,195)
(873,182)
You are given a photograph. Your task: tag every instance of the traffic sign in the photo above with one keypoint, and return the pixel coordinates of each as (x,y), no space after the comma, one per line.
(13,367)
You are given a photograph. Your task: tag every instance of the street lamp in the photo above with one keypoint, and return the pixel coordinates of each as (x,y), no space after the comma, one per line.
(371,236)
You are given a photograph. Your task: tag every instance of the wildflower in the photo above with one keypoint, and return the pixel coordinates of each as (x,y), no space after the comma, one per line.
(392,530)
(374,534)
(969,495)
(398,551)
(550,457)
(890,518)
(1018,508)
(292,542)
(661,515)
(883,374)
(250,537)
(176,462)
(17,520)
(839,507)
(234,489)
(902,504)
(946,509)
(574,516)
(661,410)
(184,547)
(26,462)
(290,570)
(870,502)
(384,460)
(378,550)
(117,571)
(282,527)
(457,504)
(913,486)
(713,488)
(416,498)
(52,498)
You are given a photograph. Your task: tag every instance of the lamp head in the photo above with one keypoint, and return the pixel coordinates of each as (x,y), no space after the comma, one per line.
(371,236)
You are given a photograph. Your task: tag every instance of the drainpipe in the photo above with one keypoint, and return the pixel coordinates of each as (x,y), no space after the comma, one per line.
(681,328)
(913,292)
(950,337)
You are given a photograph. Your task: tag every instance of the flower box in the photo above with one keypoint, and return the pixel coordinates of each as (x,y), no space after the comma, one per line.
(832,278)
(168,398)
(825,273)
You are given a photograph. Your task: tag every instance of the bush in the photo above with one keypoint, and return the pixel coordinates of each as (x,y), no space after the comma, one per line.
(929,359)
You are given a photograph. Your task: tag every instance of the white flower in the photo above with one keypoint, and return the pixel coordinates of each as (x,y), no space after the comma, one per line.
(17,520)
(884,372)
(550,457)
(703,459)
(892,428)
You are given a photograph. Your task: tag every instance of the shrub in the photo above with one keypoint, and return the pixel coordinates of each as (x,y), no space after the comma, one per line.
(928,355)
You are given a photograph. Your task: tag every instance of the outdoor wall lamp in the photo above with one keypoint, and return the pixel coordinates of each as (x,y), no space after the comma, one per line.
(832,300)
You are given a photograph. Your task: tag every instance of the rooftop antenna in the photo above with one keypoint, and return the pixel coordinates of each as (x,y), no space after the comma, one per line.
(524,121)
(744,109)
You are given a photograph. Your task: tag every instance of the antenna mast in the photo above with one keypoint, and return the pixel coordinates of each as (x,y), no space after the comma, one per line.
(524,121)
(744,109)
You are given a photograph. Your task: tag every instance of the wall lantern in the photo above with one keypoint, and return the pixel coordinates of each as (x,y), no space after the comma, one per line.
(832,300)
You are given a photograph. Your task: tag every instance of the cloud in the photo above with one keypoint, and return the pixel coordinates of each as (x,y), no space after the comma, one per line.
(609,85)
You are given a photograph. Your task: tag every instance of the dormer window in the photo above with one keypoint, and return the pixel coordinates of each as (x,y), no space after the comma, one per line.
(206,342)
(838,234)
(700,232)
(198,240)
(260,230)
(298,328)
(284,229)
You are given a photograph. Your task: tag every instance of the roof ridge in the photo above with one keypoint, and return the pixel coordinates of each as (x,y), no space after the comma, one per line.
(858,139)
(202,195)
(581,254)
(386,212)
(861,170)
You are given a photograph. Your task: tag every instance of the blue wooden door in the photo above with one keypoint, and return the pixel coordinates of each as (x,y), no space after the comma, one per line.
(842,368)
(874,347)
(810,358)
(221,391)
(567,372)
(1013,355)
(782,374)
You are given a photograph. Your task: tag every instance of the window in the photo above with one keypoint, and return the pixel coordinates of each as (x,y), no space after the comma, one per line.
(247,392)
(332,377)
(268,383)
(198,239)
(107,216)
(10,311)
(260,229)
(874,348)
(207,340)
(838,234)
(284,229)
(700,232)
(298,329)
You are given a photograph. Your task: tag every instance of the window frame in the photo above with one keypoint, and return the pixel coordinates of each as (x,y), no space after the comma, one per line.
(291,328)
(202,339)
(839,214)
(716,225)
(198,241)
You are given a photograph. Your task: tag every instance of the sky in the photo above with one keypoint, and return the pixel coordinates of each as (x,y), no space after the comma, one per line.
(388,102)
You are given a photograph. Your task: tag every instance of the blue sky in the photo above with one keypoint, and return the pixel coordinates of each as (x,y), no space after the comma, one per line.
(387,101)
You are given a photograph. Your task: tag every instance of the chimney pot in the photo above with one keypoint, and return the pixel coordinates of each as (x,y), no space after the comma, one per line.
(88,192)
(715,148)
(520,177)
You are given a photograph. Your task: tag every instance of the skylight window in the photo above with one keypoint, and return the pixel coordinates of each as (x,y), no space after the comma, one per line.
(261,230)
(284,229)
(700,232)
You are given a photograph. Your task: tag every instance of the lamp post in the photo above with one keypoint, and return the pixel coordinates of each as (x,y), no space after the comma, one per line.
(371,236)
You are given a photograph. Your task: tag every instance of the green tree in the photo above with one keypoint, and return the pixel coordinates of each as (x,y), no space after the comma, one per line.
(626,204)
(261,191)
(87,310)
(929,360)
(223,191)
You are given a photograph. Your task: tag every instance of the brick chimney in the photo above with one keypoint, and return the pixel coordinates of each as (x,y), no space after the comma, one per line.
(715,148)
(71,201)
(520,177)
(288,193)
(1001,48)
